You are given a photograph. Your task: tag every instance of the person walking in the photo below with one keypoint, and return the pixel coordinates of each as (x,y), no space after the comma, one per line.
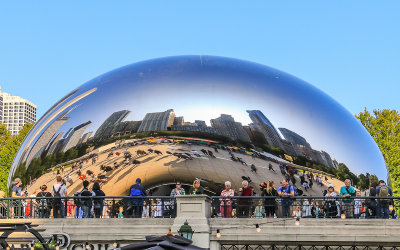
(226,203)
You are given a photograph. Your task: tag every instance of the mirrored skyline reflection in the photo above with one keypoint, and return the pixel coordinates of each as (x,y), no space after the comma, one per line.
(205,88)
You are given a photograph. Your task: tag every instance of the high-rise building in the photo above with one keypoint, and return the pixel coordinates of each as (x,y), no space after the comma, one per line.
(86,136)
(200,123)
(127,127)
(107,128)
(266,127)
(229,128)
(45,138)
(15,112)
(179,121)
(294,137)
(75,136)
(157,121)
(328,159)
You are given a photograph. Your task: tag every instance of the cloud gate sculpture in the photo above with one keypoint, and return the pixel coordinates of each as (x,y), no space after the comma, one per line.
(192,117)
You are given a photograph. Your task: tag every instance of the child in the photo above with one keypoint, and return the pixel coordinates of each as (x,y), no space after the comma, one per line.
(357,205)
(259,210)
(121,214)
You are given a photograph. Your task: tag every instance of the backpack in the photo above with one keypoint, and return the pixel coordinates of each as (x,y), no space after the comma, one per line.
(57,202)
(77,201)
(383,192)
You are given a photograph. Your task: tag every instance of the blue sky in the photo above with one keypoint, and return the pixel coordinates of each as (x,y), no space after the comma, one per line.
(348,49)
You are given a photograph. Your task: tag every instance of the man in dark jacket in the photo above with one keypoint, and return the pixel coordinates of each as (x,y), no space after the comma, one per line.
(137,190)
(86,204)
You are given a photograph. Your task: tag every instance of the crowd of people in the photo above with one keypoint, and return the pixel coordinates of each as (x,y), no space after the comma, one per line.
(287,202)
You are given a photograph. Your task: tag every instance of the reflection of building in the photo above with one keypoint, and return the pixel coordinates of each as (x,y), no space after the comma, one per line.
(255,135)
(109,125)
(262,123)
(229,128)
(44,139)
(127,127)
(74,136)
(205,129)
(178,120)
(157,121)
(53,144)
(200,123)
(86,137)
(294,137)
(288,147)
(328,159)
(15,112)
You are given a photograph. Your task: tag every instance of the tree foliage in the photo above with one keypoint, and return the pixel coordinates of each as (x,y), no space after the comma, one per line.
(8,148)
(384,127)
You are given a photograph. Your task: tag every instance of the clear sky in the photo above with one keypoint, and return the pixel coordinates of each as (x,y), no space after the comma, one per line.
(348,49)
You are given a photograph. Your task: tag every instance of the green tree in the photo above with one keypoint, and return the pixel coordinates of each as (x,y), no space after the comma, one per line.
(8,148)
(384,127)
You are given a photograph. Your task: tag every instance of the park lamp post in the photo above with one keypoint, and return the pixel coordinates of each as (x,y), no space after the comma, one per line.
(186,231)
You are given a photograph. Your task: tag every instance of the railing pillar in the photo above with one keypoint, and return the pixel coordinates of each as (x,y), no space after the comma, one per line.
(196,210)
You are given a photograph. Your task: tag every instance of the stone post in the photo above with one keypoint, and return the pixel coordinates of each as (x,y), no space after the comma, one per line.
(196,210)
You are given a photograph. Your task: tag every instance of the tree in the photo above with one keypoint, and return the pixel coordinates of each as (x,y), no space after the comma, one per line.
(8,148)
(384,127)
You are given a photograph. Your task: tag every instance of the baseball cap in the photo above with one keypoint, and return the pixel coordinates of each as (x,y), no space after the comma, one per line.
(331,186)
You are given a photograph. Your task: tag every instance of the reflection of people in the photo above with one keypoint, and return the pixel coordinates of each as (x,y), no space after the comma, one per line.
(196,188)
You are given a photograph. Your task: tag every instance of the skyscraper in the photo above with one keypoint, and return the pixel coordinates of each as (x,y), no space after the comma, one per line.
(15,112)
(107,128)
(294,137)
(157,121)
(75,136)
(229,128)
(266,128)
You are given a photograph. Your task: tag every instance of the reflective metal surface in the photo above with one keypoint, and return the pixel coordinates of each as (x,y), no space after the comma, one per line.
(162,113)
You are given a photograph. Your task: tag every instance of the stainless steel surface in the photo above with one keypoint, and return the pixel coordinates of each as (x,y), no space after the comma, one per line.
(227,101)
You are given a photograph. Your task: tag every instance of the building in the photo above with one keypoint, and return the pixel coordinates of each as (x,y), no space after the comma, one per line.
(178,120)
(86,137)
(196,128)
(266,128)
(15,112)
(74,136)
(328,159)
(107,128)
(288,147)
(229,128)
(200,123)
(158,121)
(45,138)
(294,137)
(127,127)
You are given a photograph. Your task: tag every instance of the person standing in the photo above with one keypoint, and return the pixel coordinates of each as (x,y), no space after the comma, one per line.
(371,202)
(178,190)
(270,195)
(383,191)
(330,204)
(346,192)
(59,190)
(17,193)
(196,188)
(86,203)
(286,192)
(44,204)
(226,203)
(245,204)
(98,203)
(137,190)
